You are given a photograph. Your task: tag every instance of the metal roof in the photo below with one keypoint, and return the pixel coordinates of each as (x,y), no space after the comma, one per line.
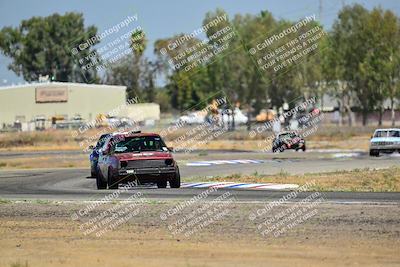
(38,84)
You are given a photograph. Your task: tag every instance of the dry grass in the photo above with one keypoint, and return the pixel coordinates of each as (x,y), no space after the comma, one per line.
(32,138)
(365,180)
(49,140)
(326,137)
(324,133)
(63,140)
(56,161)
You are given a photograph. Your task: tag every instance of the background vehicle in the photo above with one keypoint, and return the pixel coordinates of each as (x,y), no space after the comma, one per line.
(385,141)
(141,157)
(192,118)
(265,115)
(288,140)
(94,156)
(239,118)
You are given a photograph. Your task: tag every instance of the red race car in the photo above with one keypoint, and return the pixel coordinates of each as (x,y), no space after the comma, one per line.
(136,156)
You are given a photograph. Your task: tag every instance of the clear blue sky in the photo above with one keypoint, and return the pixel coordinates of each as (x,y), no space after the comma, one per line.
(165,18)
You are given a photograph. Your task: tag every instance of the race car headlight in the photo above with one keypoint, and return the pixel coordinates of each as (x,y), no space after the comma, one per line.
(169,162)
(124,164)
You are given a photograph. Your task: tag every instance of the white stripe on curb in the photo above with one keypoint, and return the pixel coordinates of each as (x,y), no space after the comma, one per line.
(232,185)
(220,162)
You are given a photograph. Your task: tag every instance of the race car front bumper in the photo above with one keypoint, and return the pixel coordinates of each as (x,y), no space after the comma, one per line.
(147,171)
(384,147)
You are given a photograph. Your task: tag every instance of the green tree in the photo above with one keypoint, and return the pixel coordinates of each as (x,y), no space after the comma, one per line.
(124,72)
(251,84)
(181,85)
(364,54)
(351,42)
(358,61)
(139,78)
(385,62)
(135,71)
(42,46)
(332,69)
(138,44)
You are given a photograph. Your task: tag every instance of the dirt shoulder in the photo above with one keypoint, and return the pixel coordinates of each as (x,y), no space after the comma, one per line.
(45,235)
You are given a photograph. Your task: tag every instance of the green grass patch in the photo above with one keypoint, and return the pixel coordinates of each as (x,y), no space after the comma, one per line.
(4,201)
(42,201)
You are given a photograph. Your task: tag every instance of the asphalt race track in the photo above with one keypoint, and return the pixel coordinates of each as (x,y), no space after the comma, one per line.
(73,184)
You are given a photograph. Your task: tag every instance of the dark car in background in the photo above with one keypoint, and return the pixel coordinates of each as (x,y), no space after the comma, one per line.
(140,157)
(288,140)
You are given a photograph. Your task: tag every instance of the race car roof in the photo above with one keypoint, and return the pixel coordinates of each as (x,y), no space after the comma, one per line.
(287,132)
(388,129)
(133,134)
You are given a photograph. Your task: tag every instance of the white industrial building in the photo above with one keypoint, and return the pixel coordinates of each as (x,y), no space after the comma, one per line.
(51,101)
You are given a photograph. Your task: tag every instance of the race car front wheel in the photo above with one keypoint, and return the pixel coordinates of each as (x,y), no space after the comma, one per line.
(374,153)
(162,184)
(112,183)
(175,182)
(99,182)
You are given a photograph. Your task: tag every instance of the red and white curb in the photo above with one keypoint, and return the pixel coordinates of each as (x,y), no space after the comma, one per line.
(232,185)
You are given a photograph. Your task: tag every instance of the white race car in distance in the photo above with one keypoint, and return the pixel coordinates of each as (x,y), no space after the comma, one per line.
(385,141)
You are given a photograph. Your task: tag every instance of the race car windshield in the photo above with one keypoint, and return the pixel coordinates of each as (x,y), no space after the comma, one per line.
(380,134)
(288,135)
(138,144)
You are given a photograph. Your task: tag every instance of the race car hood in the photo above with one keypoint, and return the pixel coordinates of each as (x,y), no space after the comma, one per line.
(144,155)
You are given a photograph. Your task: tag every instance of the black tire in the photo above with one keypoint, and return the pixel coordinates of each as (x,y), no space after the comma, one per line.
(93,171)
(112,183)
(176,181)
(99,182)
(303,148)
(374,153)
(162,184)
